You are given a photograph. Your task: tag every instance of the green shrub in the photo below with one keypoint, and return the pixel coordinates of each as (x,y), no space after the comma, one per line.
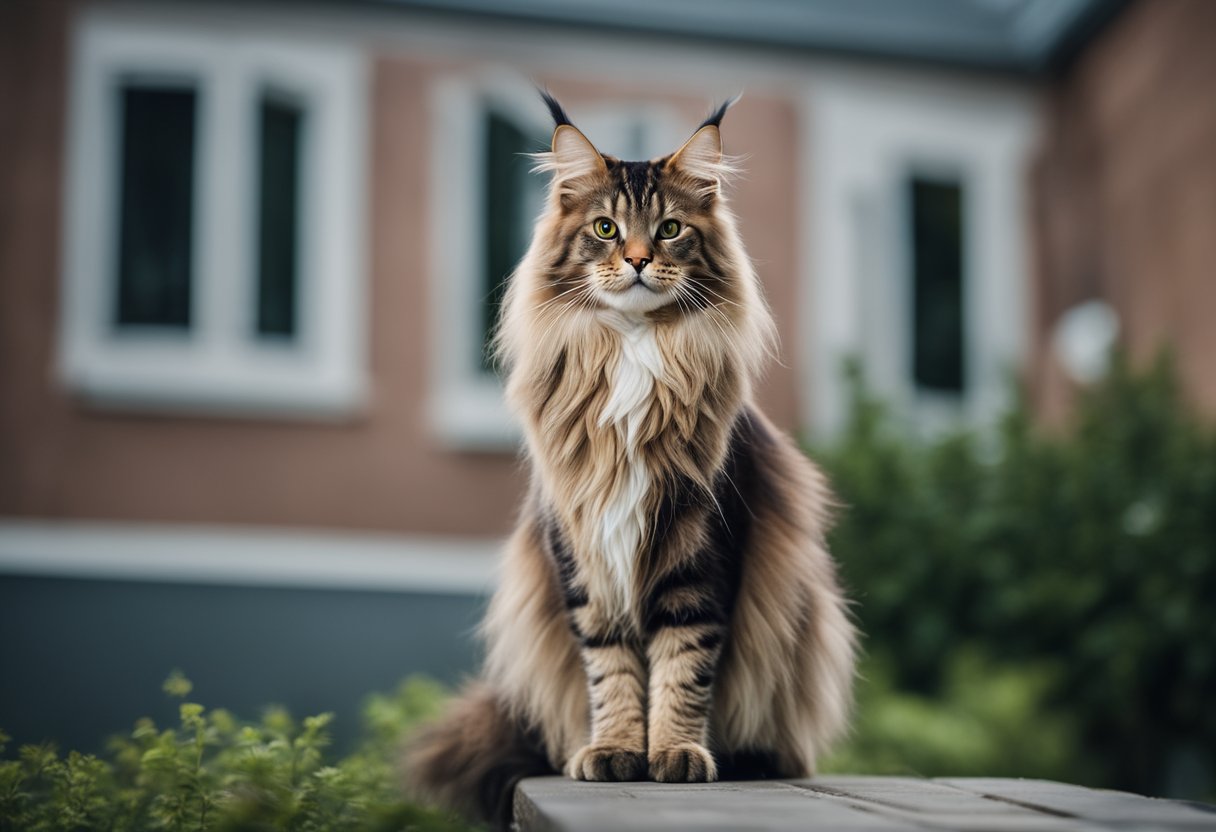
(1091,549)
(987,720)
(213,772)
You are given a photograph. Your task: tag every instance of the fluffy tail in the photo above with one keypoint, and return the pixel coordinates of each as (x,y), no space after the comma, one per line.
(471,758)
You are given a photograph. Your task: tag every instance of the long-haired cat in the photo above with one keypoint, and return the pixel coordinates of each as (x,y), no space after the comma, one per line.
(667,608)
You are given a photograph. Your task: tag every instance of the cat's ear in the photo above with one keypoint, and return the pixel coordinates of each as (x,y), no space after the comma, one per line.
(701,156)
(572,155)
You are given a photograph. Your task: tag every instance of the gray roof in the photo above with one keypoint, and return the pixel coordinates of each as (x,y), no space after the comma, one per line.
(1007,35)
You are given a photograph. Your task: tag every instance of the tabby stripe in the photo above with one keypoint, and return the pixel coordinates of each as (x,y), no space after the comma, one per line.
(608,674)
(686,617)
(678,578)
(564,255)
(598,642)
(552,381)
(690,646)
(567,570)
(687,709)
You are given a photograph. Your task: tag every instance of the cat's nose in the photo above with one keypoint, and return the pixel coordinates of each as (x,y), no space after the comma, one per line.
(638,263)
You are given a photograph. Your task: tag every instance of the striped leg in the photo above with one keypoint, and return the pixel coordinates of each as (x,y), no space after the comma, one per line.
(687,625)
(616,678)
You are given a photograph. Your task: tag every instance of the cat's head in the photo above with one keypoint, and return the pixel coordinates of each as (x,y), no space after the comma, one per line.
(638,237)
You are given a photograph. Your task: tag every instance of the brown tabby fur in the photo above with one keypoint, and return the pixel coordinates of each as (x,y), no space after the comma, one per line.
(667,608)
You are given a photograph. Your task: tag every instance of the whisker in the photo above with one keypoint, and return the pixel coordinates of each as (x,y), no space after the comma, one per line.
(556,316)
(559,296)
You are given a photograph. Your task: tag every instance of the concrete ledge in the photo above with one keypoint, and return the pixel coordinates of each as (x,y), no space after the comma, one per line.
(555,804)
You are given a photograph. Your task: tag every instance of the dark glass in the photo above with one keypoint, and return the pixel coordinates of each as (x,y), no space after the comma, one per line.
(156,206)
(938,357)
(281,130)
(507,222)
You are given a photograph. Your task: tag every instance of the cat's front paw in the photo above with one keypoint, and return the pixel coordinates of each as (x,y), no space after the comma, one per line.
(688,763)
(607,763)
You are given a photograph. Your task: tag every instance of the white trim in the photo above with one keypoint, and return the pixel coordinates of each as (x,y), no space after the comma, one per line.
(866,137)
(219,365)
(466,407)
(247,556)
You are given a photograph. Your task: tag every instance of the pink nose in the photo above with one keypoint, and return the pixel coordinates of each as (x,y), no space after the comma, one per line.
(638,263)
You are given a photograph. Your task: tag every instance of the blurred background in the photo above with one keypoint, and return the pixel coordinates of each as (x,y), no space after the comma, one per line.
(250,254)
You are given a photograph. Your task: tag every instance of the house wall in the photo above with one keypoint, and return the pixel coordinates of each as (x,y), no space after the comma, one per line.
(1125,194)
(383,470)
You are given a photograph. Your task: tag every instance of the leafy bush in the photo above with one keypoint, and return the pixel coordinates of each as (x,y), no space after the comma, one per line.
(1091,551)
(988,720)
(213,772)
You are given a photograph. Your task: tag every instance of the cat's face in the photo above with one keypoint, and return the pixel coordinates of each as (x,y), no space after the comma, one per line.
(638,236)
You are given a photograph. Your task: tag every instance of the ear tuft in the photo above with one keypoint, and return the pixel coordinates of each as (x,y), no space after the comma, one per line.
(714,119)
(555,109)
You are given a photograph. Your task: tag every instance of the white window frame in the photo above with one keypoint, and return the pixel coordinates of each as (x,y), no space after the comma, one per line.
(219,365)
(868,137)
(466,408)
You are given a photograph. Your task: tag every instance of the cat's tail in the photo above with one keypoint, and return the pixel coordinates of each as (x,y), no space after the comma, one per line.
(470,759)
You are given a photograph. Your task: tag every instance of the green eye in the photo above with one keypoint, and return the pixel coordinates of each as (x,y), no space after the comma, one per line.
(668,229)
(605,228)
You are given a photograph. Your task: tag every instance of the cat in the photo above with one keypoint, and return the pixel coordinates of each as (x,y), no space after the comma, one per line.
(667,608)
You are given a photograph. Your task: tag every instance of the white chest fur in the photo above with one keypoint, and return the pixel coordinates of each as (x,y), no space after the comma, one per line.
(624,520)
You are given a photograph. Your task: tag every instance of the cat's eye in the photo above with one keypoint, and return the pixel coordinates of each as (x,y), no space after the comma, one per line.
(605,228)
(668,229)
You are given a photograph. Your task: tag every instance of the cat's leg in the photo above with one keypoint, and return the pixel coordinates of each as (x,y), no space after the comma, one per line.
(616,683)
(687,624)
(616,677)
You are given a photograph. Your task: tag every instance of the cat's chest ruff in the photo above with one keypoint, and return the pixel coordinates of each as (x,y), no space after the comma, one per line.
(639,367)
(631,389)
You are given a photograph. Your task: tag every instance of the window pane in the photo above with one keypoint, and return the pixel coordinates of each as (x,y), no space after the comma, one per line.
(156,208)
(278,217)
(937,285)
(510,211)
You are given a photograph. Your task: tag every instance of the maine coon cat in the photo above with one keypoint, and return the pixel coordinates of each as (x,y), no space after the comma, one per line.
(667,608)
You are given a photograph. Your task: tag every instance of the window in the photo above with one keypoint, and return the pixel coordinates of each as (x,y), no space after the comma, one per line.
(936,250)
(486,201)
(156,206)
(512,200)
(281,124)
(204,271)
(917,258)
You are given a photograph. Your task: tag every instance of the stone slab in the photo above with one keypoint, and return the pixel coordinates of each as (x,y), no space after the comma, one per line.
(850,804)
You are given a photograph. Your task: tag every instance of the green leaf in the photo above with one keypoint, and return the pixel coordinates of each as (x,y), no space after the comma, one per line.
(178,685)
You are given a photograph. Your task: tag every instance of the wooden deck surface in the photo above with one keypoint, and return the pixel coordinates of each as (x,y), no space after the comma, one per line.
(850,804)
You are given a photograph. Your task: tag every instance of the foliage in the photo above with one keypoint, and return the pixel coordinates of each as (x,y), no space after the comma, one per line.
(214,772)
(987,720)
(1090,551)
